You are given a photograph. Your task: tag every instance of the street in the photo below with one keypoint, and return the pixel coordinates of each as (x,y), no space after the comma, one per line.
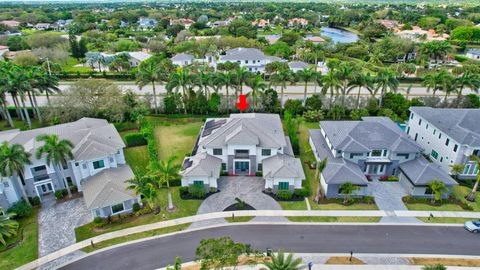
(399,239)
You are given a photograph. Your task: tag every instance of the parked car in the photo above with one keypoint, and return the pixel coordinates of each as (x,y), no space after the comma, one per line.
(472,226)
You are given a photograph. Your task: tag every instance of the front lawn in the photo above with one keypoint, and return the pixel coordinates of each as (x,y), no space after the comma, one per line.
(458,194)
(239,219)
(306,155)
(295,205)
(185,208)
(137,158)
(444,220)
(27,250)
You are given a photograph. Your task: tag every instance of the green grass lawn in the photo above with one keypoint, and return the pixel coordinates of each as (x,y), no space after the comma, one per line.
(185,208)
(136,236)
(26,251)
(69,67)
(300,205)
(175,136)
(238,219)
(444,220)
(459,193)
(137,158)
(334,219)
(307,155)
(18,124)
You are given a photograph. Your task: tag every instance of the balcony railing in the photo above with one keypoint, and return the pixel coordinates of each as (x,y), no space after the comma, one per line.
(242,155)
(38,178)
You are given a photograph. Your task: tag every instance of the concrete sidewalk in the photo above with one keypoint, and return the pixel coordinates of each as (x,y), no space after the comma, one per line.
(263,213)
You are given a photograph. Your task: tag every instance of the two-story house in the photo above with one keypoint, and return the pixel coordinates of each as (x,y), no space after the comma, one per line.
(449,136)
(97,155)
(374,148)
(243,144)
(251,58)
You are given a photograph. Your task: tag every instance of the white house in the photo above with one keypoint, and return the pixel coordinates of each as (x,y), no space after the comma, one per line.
(449,136)
(297,66)
(251,58)
(183,59)
(243,144)
(98,148)
(473,54)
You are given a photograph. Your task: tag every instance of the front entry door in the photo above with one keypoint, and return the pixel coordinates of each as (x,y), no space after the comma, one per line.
(46,188)
(241,167)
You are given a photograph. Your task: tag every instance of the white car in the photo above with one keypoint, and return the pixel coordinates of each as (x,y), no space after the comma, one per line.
(472,226)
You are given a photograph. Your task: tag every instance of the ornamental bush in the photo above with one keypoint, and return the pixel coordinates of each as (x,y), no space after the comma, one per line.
(22,209)
(197,192)
(135,139)
(59,194)
(284,194)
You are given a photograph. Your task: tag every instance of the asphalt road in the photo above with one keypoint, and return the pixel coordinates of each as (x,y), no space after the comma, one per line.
(403,239)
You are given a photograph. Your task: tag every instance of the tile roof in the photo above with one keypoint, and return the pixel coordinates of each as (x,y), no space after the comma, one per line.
(108,187)
(421,172)
(202,164)
(182,57)
(282,166)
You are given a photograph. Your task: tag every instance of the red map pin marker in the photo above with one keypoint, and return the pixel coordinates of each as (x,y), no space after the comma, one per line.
(242,103)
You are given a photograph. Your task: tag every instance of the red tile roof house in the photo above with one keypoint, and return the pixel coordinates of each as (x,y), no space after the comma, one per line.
(11,23)
(184,21)
(300,22)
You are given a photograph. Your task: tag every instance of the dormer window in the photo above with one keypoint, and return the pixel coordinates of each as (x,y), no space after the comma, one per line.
(217,151)
(266,152)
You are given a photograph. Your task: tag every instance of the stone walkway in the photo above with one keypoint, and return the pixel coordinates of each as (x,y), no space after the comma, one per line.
(248,189)
(388,197)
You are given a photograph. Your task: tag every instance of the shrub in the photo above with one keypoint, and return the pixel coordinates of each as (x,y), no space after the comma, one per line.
(392,178)
(97,220)
(176,182)
(22,209)
(284,194)
(59,194)
(301,192)
(35,200)
(135,207)
(135,139)
(197,191)
(259,173)
(73,189)
(313,116)
(183,190)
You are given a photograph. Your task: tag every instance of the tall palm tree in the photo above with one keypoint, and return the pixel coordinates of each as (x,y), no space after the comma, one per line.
(242,75)
(18,84)
(165,171)
(281,78)
(331,84)
(181,79)
(306,75)
(151,72)
(8,226)
(150,195)
(320,166)
(435,80)
(257,85)
(3,95)
(225,79)
(205,81)
(467,80)
(346,73)
(13,159)
(471,196)
(386,80)
(56,152)
(280,262)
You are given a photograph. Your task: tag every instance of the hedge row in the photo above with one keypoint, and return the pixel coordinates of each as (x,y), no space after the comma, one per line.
(135,139)
(146,130)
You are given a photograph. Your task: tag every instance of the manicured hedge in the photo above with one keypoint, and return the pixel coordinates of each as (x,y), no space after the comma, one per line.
(135,139)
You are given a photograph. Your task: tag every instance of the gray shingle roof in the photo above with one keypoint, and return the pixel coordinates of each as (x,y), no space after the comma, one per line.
(243,54)
(266,129)
(458,124)
(282,166)
(371,133)
(91,137)
(421,172)
(297,65)
(108,187)
(203,164)
(337,171)
(182,57)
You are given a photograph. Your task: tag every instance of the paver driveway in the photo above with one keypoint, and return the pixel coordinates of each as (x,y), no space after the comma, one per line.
(388,197)
(246,188)
(57,224)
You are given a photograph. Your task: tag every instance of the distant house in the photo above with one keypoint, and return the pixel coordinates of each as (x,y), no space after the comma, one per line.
(147,23)
(473,54)
(417,34)
(297,22)
(137,57)
(183,21)
(124,24)
(42,26)
(222,23)
(389,24)
(60,25)
(101,61)
(314,39)
(10,23)
(297,66)
(251,58)
(183,59)
(261,23)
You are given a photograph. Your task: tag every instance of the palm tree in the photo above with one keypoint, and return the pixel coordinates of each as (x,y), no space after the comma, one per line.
(457,169)
(346,73)
(181,80)
(8,226)
(320,166)
(165,171)
(153,72)
(225,79)
(306,75)
(138,183)
(359,81)
(386,80)
(437,188)
(437,266)
(331,84)
(150,195)
(56,151)
(45,82)
(471,196)
(347,189)
(13,159)
(280,262)
(281,78)
(242,75)
(257,85)
(436,81)
(205,81)
(467,80)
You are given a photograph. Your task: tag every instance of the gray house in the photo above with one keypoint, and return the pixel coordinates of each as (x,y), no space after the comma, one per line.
(371,149)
